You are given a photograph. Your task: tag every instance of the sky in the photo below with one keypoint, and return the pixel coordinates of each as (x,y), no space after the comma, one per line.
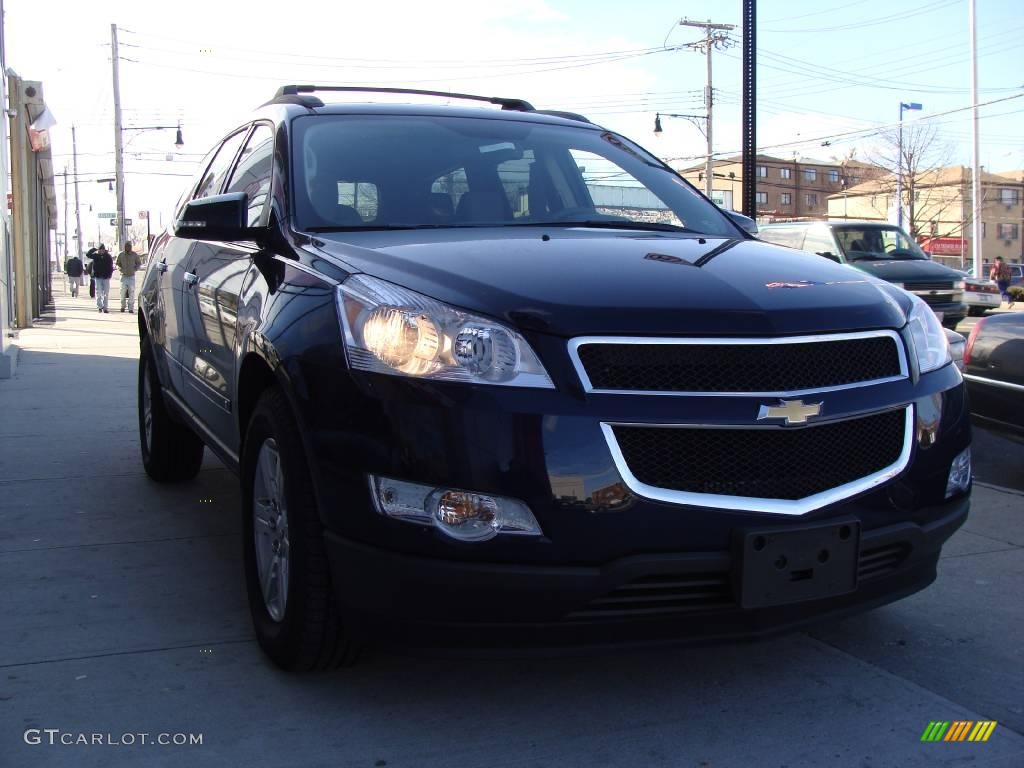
(828,71)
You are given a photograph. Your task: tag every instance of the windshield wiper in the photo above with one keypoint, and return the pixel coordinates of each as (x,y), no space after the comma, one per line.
(392,227)
(654,226)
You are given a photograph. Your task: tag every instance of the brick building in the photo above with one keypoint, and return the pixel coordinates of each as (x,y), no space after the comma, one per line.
(785,189)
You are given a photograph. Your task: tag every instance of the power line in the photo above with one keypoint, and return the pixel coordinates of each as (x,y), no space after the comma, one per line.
(900,16)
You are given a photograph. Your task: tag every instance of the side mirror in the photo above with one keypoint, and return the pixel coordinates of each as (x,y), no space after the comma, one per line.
(745,223)
(218,217)
(830,255)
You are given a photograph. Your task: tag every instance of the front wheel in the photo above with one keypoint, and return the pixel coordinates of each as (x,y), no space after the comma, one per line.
(171,452)
(288,579)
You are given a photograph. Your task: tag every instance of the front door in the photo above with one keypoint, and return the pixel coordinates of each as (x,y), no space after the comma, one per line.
(211,285)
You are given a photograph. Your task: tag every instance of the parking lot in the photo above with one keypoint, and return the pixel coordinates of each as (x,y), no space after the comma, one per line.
(124,613)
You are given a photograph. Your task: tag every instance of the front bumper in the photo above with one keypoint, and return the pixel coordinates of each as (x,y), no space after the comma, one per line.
(662,598)
(546,449)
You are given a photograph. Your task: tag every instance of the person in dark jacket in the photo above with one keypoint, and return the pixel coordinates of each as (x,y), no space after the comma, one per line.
(73,269)
(102,271)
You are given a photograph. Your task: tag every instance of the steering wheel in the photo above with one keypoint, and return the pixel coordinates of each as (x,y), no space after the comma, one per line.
(891,247)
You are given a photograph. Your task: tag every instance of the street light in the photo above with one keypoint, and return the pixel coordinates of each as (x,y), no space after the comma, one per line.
(693,118)
(179,142)
(899,163)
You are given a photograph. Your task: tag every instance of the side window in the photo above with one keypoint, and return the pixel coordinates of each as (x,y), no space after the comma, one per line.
(819,242)
(361,195)
(445,193)
(791,237)
(616,192)
(515,180)
(253,172)
(187,194)
(221,164)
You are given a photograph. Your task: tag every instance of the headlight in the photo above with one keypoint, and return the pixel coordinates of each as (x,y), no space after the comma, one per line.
(389,329)
(958,285)
(928,335)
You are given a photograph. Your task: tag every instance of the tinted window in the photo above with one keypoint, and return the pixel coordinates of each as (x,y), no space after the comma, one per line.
(200,174)
(253,172)
(221,164)
(457,171)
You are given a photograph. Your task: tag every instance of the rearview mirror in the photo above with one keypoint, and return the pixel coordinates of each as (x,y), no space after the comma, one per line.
(830,255)
(218,217)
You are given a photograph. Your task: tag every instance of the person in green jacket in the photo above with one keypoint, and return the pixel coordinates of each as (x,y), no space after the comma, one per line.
(128,262)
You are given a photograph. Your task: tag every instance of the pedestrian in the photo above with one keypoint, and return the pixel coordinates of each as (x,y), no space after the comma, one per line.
(1000,272)
(128,262)
(73,269)
(102,271)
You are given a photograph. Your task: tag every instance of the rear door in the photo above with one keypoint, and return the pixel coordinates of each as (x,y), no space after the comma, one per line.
(211,303)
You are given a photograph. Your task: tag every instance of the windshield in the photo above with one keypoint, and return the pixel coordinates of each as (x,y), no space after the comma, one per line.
(876,242)
(412,171)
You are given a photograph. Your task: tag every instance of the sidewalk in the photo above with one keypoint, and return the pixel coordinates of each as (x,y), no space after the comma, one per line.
(123,611)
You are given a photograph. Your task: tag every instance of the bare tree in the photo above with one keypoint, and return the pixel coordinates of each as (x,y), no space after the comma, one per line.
(924,169)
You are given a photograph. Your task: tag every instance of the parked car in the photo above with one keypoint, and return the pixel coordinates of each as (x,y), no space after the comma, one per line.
(980,294)
(468,405)
(1016,273)
(994,370)
(882,250)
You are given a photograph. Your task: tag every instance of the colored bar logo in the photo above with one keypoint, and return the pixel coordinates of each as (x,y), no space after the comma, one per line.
(958,730)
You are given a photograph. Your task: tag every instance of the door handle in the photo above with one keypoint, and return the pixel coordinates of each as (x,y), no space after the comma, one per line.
(191,278)
(162,266)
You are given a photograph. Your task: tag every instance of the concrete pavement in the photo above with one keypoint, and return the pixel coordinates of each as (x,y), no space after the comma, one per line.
(123,612)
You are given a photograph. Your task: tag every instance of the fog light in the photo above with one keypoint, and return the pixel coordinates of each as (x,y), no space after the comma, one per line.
(959,474)
(463,515)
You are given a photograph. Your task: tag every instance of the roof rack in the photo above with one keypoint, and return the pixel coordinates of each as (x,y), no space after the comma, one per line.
(563,114)
(292,94)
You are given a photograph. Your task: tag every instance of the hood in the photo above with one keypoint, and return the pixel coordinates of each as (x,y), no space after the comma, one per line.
(572,282)
(907,270)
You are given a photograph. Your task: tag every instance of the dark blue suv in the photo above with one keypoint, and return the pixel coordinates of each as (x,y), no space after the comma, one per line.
(500,377)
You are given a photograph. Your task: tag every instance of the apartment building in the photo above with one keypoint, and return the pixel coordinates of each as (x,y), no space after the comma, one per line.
(940,218)
(785,190)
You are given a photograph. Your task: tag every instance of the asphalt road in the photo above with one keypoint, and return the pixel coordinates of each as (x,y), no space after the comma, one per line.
(123,612)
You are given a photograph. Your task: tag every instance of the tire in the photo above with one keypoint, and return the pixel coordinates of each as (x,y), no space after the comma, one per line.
(171,452)
(298,625)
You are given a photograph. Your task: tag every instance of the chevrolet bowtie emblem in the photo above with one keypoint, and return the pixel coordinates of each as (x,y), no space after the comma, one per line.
(793,411)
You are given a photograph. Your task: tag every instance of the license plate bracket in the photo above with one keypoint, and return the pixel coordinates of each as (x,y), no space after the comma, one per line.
(795,564)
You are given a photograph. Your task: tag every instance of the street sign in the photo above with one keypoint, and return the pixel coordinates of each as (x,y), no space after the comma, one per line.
(113,222)
(143,215)
(127,222)
(106,215)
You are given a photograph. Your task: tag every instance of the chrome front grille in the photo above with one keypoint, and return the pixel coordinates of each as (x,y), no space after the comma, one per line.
(708,366)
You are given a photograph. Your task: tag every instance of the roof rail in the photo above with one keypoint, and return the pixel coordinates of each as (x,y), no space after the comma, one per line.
(288,94)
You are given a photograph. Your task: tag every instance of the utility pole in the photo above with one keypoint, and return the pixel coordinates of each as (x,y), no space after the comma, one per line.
(749,113)
(78,211)
(714,36)
(67,234)
(975,162)
(122,234)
